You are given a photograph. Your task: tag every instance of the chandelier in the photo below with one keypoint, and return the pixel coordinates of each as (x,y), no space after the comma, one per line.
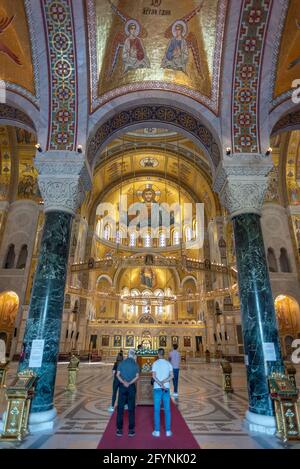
(142,300)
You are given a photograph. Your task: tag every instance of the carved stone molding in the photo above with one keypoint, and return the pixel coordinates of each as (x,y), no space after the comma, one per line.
(63,180)
(241,181)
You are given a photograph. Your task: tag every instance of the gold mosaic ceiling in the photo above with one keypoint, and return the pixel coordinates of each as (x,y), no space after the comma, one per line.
(15,49)
(288,67)
(161,40)
(135,169)
(18,176)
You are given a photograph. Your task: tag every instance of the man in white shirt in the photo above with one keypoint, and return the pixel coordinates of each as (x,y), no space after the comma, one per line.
(162,372)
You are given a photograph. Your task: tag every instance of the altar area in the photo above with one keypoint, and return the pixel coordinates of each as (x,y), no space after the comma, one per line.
(145,360)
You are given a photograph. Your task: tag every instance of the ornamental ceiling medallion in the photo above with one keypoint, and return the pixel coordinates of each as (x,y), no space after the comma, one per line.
(288,65)
(15,49)
(149,162)
(156,41)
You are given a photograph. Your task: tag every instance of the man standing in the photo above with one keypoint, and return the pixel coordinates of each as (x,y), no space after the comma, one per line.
(174,358)
(127,374)
(162,373)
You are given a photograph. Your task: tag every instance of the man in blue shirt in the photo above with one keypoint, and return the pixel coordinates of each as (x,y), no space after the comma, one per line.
(127,374)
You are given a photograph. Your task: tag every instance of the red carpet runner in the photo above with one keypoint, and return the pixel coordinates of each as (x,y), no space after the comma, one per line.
(182,437)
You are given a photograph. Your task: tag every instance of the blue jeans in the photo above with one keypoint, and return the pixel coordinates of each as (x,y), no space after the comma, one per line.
(175,379)
(158,395)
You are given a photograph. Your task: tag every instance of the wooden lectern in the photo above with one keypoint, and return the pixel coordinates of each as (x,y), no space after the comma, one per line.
(144,386)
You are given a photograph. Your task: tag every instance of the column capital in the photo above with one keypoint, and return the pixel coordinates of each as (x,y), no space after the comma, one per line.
(64,177)
(241,181)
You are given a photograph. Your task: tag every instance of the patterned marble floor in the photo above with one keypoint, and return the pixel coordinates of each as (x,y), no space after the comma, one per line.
(215,418)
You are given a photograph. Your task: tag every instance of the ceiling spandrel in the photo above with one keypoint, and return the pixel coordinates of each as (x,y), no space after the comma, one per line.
(161,43)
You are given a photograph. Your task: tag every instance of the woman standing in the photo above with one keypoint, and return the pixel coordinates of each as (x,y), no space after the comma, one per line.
(116,382)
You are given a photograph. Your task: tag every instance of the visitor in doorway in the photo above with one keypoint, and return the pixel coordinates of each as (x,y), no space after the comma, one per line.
(127,374)
(116,382)
(174,358)
(162,373)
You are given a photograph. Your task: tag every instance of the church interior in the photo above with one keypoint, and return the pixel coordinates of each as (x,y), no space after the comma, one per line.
(110,110)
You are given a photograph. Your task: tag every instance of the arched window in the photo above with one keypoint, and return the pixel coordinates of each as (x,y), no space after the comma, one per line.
(176,237)
(272,261)
(22,257)
(106,233)
(132,239)
(284,261)
(146,309)
(162,240)
(10,257)
(98,228)
(147,240)
(188,234)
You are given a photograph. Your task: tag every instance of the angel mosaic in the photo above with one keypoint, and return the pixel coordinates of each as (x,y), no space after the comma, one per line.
(177,53)
(134,55)
(297,60)
(4,49)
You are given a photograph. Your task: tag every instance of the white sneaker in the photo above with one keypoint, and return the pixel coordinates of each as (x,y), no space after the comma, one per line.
(169,433)
(155,433)
(125,407)
(111,409)
(175,394)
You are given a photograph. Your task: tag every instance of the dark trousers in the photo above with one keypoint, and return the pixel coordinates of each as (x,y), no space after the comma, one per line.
(116,385)
(175,379)
(126,395)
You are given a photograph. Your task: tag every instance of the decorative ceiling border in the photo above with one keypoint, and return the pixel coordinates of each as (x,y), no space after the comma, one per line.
(275,101)
(63,93)
(97,101)
(287,122)
(246,75)
(34,99)
(15,115)
(173,149)
(34,49)
(163,114)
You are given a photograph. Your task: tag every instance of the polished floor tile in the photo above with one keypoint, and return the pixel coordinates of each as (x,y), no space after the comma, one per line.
(215,418)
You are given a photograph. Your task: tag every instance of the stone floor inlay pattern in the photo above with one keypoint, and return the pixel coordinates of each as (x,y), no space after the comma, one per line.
(214,417)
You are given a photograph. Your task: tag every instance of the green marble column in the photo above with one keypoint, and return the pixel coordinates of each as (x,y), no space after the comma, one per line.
(241,180)
(46,306)
(63,180)
(257,312)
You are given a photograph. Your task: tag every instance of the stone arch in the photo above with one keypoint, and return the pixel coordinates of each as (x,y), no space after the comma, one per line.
(22,258)
(104,277)
(10,115)
(188,122)
(272,261)
(10,257)
(284,260)
(287,122)
(188,277)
